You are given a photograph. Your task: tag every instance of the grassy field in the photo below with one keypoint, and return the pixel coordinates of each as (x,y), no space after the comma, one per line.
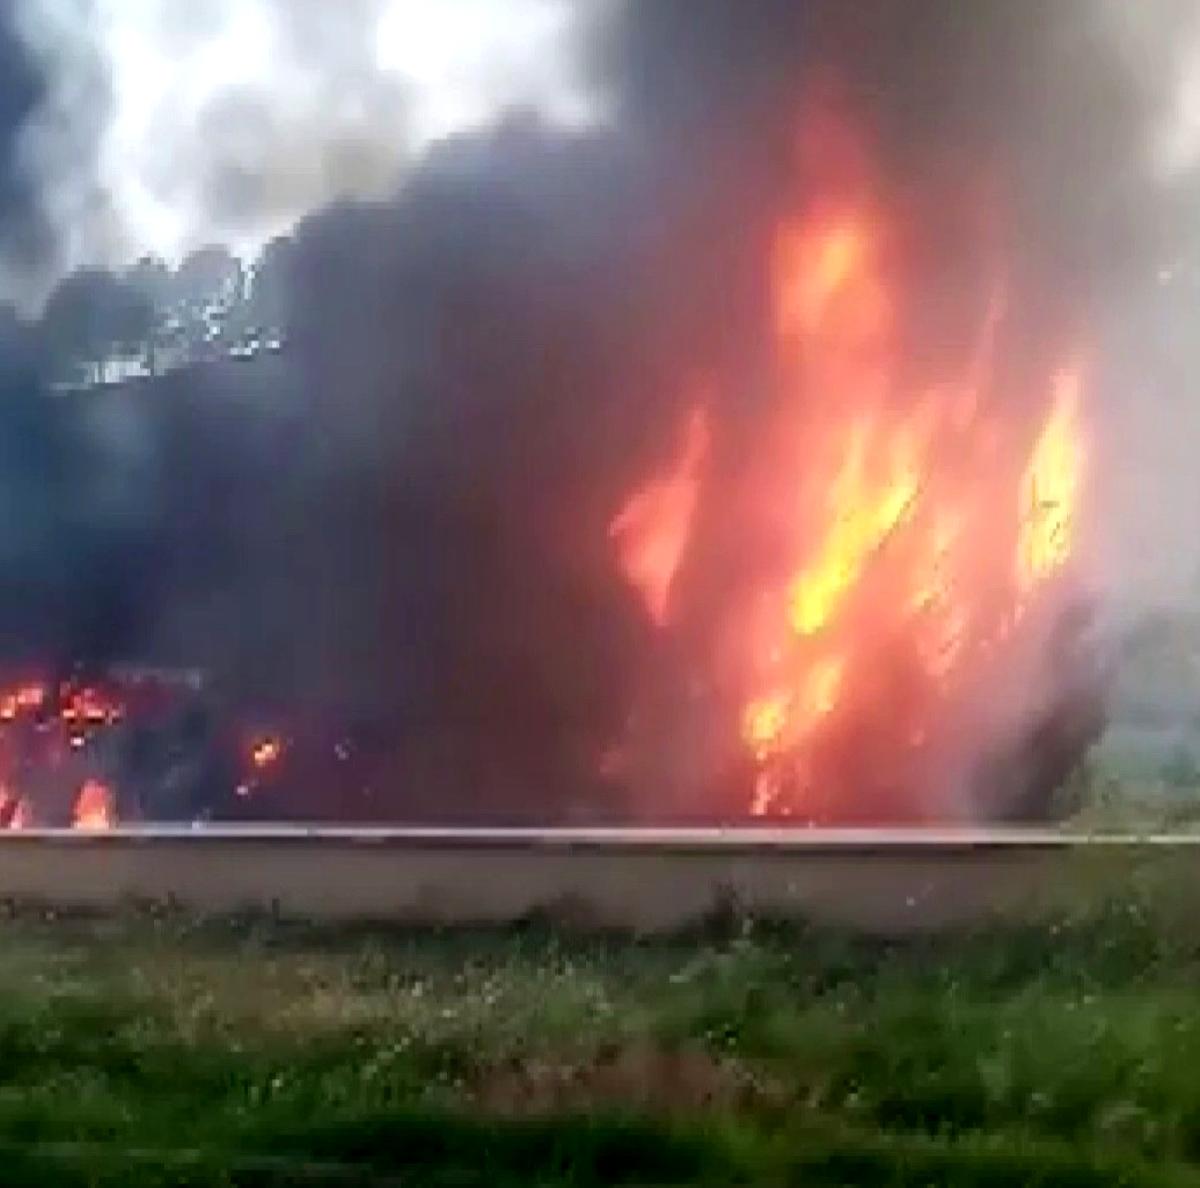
(156,1048)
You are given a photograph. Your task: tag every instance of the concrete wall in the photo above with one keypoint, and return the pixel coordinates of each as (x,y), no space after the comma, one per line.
(642,880)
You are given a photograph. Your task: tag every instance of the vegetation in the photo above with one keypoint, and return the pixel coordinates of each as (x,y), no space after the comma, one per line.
(104,327)
(156,1048)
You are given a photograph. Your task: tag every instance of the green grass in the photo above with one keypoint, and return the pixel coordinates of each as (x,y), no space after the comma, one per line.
(156,1048)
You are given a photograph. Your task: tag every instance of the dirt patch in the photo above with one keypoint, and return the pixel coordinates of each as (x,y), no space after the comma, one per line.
(642,1078)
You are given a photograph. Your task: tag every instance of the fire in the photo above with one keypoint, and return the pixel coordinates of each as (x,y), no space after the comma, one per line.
(917,521)
(47,732)
(95,807)
(779,719)
(262,755)
(764,722)
(22,699)
(1050,489)
(14,810)
(30,697)
(265,752)
(864,514)
(651,530)
(813,266)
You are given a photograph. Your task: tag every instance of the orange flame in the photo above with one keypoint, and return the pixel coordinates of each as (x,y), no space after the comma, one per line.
(265,752)
(773,722)
(95,807)
(901,507)
(832,320)
(651,530)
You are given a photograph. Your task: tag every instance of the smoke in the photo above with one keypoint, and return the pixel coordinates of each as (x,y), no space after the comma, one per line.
(155,127)
(32,453)
(404,520)
(22,230)
(473,365)
(270,110)
(69,216)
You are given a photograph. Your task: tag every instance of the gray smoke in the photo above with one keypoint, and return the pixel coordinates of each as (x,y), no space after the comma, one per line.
(23,230)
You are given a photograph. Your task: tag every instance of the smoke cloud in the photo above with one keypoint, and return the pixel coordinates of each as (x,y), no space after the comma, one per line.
(22,231)
(155,127)
(403,520)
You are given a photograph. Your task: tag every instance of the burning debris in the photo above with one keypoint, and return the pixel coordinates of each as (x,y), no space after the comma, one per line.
(265,753)
(129,746)
(263,757)
(53,747)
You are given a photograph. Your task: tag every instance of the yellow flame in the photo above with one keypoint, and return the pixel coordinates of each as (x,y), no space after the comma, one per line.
(865,514)
(1050,489)
(813,269)
(95,807)
(763,723)
(822,687)
(771,722)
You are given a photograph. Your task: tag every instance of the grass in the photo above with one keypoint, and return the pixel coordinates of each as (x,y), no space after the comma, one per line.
(152,1047)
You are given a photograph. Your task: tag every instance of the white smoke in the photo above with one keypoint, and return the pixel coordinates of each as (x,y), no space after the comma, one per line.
(1147,418)
(170,125)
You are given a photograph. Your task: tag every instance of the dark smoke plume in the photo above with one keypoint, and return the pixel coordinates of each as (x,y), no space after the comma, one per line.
(402,522)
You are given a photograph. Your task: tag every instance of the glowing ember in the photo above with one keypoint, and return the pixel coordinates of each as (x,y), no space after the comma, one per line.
(265,752)
(651,531)
(30,697)
(21,699)
(95,807)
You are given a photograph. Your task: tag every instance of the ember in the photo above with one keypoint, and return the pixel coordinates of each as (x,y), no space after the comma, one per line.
(265,752)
